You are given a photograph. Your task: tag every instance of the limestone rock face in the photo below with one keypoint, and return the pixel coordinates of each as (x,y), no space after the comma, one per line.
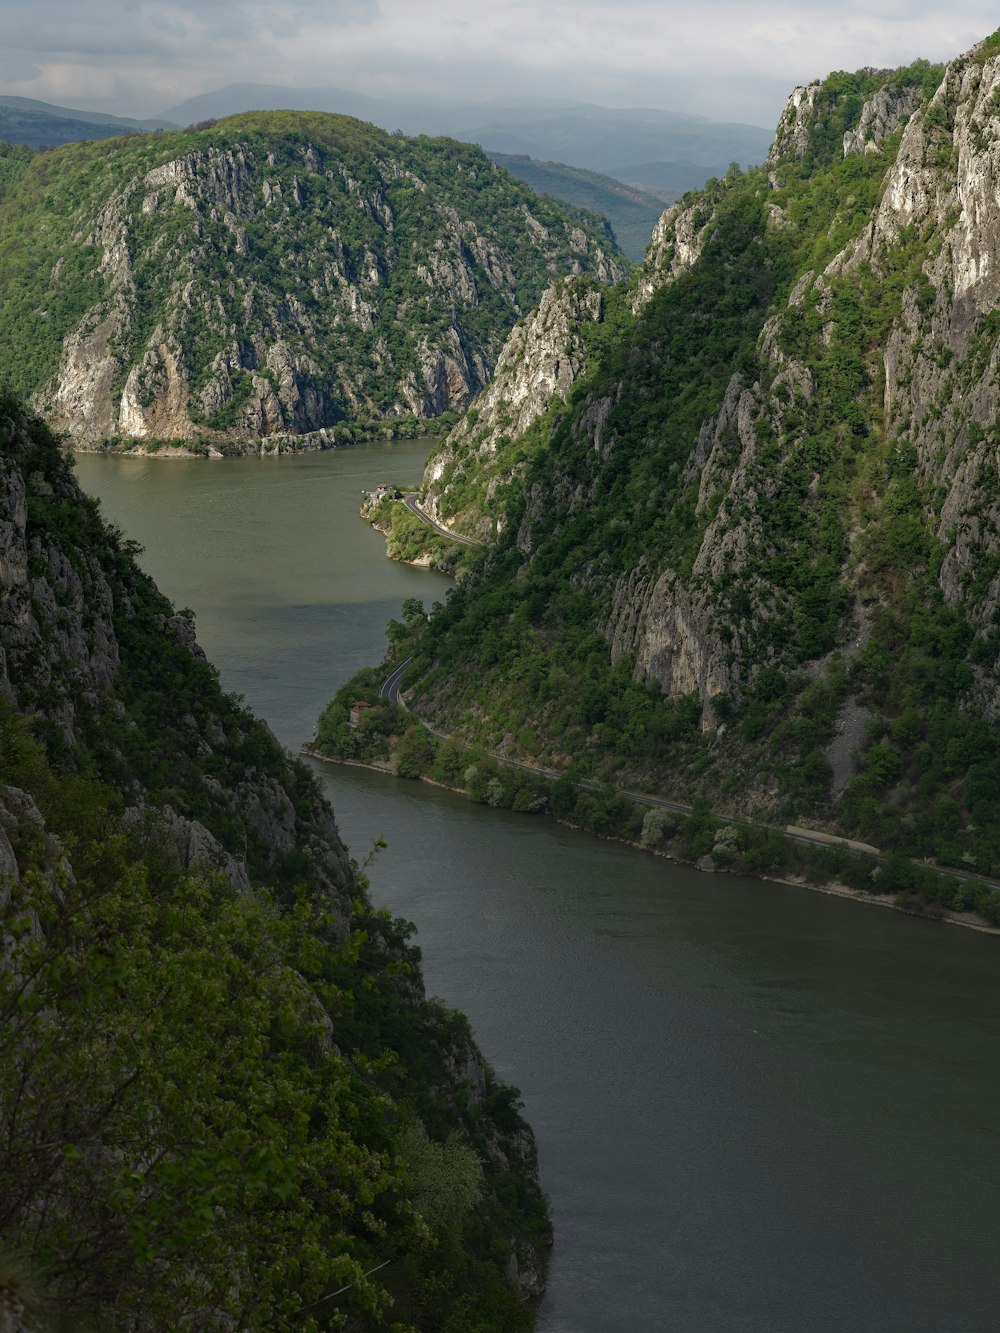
(541,360)
(792,137)
(942,357)
(941,363)
(881,116)
(265,284)
(676,244)
(187,843)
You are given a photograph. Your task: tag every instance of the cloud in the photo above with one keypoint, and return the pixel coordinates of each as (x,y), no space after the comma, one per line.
(17,71)
(724,59)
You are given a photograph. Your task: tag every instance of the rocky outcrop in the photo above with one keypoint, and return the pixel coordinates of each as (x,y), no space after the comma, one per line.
(542,359)
(795,125)
(258,283)
(676,245)
(941,356)
(186,843)
(883,115)
(939,370)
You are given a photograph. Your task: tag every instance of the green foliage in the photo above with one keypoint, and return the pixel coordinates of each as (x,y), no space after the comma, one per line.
(658,826)
(844,520)
(413,753)
(412,541)
(258,250)
(205,1093)
(446,1177)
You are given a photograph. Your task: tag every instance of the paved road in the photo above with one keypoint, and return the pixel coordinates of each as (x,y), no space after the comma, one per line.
(411,503)
(390,690)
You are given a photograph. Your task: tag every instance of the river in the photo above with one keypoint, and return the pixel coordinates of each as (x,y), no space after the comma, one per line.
(758,1109)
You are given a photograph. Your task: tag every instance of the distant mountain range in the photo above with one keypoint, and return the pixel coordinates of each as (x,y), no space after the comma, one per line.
(632,213)
(625,164)
(42,125)
(677,151)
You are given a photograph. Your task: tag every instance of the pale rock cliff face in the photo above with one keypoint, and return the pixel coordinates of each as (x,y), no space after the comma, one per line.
(541,360)
(941,366)
(887,111)
(229,344)
(942,358)
(676,245)
(681,628)
(792,137)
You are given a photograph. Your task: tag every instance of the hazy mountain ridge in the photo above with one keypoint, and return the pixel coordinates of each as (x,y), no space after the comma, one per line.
(772,496)
(631,211)
(42,125)
(687,148)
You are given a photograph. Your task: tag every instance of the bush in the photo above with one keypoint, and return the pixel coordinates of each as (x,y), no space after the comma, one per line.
(413,753)
(657,826)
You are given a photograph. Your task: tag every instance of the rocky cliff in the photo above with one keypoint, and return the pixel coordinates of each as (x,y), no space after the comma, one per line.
(758,556)
(279,274)
(223,1094)
(469,474)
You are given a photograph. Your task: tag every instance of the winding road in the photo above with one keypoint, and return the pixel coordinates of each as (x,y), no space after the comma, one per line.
(410,501)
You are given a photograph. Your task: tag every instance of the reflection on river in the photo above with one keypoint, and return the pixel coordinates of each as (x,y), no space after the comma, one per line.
(759,1110)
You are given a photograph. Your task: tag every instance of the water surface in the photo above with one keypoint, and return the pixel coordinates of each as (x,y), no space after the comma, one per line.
(759,1110)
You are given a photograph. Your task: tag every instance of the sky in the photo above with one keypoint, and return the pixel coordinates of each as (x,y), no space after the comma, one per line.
(726,60)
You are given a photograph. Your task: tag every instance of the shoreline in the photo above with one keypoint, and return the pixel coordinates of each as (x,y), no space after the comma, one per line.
(832,888)
(266,446)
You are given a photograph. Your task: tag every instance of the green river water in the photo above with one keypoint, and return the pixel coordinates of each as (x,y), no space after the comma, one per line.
(758,1109)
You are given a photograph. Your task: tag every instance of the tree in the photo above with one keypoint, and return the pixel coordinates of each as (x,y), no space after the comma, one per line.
(413,753)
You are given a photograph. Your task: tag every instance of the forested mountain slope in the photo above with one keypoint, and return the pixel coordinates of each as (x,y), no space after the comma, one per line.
(224,1100)
(631,211)
(275,273)
(23,120)
(750,548)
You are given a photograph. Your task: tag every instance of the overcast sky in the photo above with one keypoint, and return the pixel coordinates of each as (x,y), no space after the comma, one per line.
(727,60)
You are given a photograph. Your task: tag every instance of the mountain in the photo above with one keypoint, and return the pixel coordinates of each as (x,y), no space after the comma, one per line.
(275,274)
(744,512)
(41,125)
(631,212)
(225,1099)
(583,135)
(123,123)
(666,180)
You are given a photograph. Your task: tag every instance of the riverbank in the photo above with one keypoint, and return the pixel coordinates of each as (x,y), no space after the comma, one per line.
(686,1045)
(225,444)
(411,538)
(833,887)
